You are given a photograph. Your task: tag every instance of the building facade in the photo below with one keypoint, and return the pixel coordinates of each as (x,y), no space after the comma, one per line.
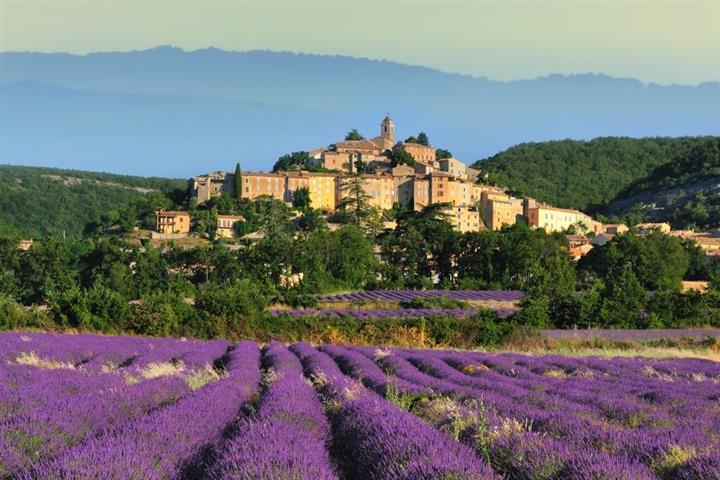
(172,221)
(499,210)
(553,219)
(454,167)
(226,225)
(205,187)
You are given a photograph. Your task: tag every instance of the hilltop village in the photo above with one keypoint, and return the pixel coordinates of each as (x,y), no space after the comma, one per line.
(410,173)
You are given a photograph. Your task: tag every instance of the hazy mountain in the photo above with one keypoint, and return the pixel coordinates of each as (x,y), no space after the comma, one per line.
(169,112)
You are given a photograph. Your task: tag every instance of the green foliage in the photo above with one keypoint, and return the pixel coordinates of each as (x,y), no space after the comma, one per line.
(657,261)
(401,157)
(343,259)
(484,329)
(301,198)
(354,135)
(582,174)
(312,220)
(355,208)
(292,161)
(423,243)
(37,202)
(258,213)
(224,311)
(163,313)
(421,139)
(97,308)
(492,331)
(14,316)
(237,182)
(441,153)
(623,300)
(48,267)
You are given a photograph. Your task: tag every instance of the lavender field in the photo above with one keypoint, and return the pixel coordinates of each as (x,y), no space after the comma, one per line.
(407,295)
(389,304)
(93,407)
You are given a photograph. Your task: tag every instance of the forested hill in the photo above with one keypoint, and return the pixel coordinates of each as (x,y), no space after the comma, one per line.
(684,191)
(39,201)
(588,175)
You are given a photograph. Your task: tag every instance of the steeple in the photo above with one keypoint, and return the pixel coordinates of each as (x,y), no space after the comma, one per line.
(387,130)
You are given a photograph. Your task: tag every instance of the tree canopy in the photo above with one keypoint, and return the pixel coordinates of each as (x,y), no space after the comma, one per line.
(354,135)
(291,161)
(586,174)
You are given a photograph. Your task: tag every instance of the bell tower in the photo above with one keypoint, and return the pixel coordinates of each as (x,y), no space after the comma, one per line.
(387,130)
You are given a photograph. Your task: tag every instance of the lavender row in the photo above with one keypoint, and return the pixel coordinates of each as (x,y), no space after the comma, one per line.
(380,313)
(67,420)
(289,435)
(639,431)
(408,295)
(378,441)
(506,418)
(162,444)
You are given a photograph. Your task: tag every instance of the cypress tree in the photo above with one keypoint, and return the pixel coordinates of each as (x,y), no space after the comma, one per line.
(238,181)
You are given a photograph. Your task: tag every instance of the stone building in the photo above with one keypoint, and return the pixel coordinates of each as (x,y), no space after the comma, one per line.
(424,154)
(226,225)
(498,209)
(553,219)
(454,167)
(172,221)
(204,187)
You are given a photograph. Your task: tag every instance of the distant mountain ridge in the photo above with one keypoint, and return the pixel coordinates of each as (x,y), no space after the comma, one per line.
(168,112)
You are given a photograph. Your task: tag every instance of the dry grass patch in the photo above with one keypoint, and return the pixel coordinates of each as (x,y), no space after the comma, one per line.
(202,377)
(32,358)
(162,369)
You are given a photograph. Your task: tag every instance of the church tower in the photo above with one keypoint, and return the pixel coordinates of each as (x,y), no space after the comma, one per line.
(387,131)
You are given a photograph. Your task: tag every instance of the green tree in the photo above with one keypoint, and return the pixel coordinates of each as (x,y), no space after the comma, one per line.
(163,314)
(657,260)
(431,249)
(441,153)
(312,220)
(9,268)
(47,268)
(623,300)
(229,311)
(301,198)
(401,157)
(292,161)
(475,261)
(422,139)
(97,308)
(355,208)
(354,135)
(351,257)
(238,182)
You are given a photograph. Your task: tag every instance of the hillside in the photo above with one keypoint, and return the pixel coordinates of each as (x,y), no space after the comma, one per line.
(590,174)
(166,111)
(684,191)
(36,201)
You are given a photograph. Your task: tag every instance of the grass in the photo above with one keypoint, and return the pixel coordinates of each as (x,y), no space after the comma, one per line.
(534,343)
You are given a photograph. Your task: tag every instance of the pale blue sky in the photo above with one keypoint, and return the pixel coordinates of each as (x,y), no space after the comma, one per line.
(654,41)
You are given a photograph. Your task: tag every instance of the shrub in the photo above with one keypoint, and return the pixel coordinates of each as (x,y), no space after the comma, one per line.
(227,310)
(14,316)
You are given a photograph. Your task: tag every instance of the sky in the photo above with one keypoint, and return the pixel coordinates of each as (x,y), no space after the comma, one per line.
(654,41)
